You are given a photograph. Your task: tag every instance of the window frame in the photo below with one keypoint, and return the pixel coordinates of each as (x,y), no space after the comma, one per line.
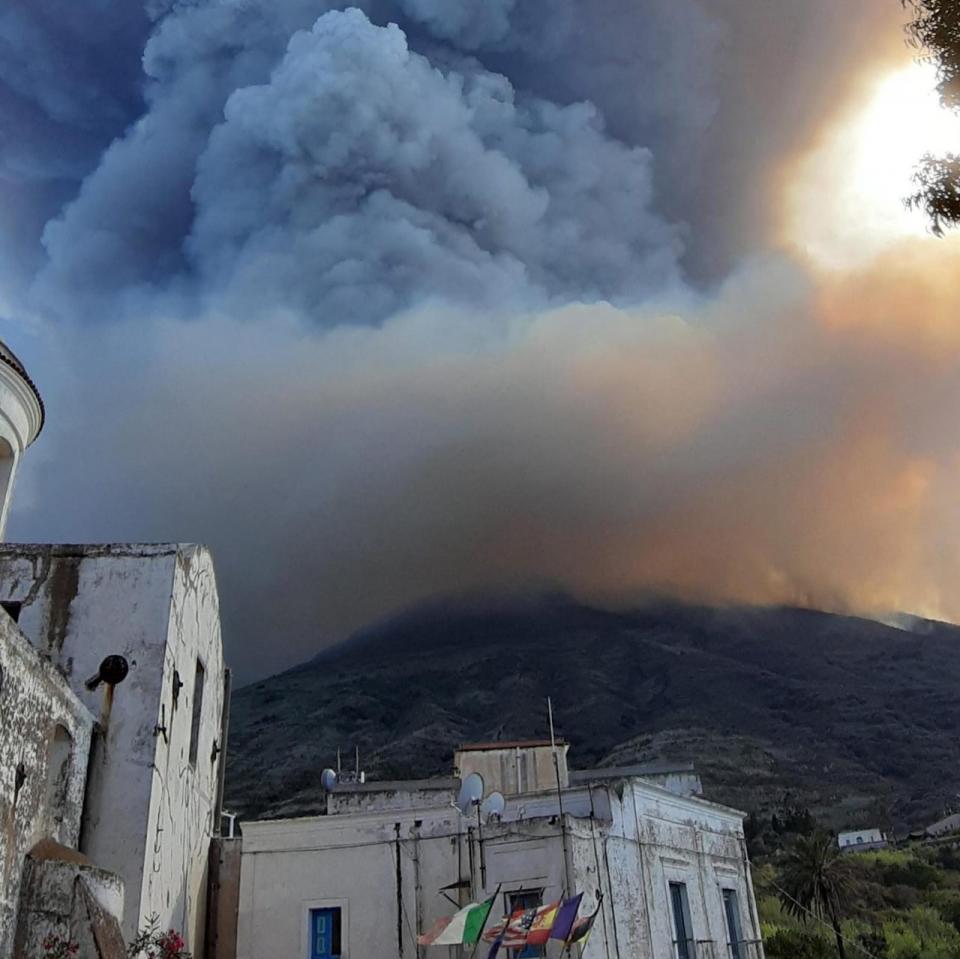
(689,940)
(528,952)
(307,908)
(731,901)
(196,710)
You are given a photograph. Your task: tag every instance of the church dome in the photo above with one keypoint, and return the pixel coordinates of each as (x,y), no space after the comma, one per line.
(12,362)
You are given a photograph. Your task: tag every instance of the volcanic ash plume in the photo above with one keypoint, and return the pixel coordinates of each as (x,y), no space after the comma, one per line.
(420,297)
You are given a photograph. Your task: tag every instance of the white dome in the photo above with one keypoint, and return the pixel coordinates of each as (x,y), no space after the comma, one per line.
(21,419)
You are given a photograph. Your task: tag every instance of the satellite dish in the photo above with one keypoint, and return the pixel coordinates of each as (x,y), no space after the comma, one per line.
(493,805)
(471,792)
(328,779)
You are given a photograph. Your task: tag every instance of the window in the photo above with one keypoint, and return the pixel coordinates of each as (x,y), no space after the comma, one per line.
(525,899)
(684,946)
(197,713)
(325,934)
(732,911)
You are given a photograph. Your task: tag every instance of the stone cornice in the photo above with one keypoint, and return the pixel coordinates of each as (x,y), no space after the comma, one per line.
(28,397)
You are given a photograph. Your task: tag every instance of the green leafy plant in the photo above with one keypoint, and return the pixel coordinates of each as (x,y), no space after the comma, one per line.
(154,943)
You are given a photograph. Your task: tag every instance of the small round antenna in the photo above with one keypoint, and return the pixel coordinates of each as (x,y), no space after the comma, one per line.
(328,779)
(493,805)
(471,792)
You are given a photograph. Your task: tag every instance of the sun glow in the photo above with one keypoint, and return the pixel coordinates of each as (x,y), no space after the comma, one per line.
(845,197)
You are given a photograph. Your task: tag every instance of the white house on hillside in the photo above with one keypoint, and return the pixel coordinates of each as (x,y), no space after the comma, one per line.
(861,839)
(386,860)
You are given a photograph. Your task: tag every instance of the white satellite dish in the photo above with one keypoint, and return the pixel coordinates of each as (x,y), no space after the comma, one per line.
(471,792)
(328,779)
(493,805)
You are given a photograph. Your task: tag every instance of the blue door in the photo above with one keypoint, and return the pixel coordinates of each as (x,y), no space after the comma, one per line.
(324,933)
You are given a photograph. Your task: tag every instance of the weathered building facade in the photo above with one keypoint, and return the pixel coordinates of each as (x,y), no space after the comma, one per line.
(669,871)
(112,704)
(152,793)
(45,736)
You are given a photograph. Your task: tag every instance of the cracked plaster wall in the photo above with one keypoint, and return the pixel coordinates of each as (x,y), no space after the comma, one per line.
(41,795)
(149,814)
(639,840)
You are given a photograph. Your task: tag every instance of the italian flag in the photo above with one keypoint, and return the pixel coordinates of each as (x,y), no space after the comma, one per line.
(462,928)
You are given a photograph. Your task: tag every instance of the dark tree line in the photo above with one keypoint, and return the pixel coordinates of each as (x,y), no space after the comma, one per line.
(935,32)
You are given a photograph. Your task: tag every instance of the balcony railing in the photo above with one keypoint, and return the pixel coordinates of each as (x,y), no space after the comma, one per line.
(745,949)
(710,949)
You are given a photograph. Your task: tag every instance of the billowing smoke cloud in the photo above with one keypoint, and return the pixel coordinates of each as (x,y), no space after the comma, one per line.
(359,180)
(412,297)
(780,442)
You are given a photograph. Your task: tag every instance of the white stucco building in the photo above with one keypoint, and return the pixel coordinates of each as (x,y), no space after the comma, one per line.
(112,704)
(152,789)
(388,859)
(861,839)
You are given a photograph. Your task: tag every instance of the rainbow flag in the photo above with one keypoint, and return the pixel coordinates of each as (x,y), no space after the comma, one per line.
(462,928)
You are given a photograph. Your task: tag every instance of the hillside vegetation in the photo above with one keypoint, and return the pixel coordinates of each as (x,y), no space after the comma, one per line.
(850,718)
(901,904)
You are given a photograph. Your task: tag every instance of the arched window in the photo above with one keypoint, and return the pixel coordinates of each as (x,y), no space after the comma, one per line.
(59,761)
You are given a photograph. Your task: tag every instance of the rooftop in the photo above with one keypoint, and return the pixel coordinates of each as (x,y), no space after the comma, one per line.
(9,358)
(508,744)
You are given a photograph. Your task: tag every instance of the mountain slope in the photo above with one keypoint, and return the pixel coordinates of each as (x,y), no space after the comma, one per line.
(850,716)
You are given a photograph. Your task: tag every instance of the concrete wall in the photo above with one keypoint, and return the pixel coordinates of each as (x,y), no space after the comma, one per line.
(385,871)
(391,796)
(224,905)
(65,896)
(682,780)
(149,811)
(513,768)
(44,745)
(182,816)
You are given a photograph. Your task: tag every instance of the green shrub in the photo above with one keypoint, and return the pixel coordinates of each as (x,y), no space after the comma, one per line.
(917,873)
(947,903)
(798,944)
(921,934)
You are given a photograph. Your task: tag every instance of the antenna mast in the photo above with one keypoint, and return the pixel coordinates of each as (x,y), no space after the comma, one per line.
(568,891)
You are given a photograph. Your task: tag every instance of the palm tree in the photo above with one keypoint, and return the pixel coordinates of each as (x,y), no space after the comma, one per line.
(815,879)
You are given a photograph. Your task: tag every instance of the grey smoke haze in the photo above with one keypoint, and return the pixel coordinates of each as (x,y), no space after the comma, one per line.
(411,297)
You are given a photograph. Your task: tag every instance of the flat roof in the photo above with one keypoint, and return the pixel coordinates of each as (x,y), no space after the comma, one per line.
(507,744)
(663,768)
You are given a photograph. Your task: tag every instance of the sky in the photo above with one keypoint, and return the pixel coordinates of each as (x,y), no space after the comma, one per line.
(425,297)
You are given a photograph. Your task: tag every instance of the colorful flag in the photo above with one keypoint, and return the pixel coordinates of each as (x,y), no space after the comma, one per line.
(525,927)
(581,928)
(542,923)
(462,928)
(565,918)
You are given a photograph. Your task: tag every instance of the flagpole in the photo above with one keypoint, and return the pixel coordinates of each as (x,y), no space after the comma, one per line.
(568,888)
